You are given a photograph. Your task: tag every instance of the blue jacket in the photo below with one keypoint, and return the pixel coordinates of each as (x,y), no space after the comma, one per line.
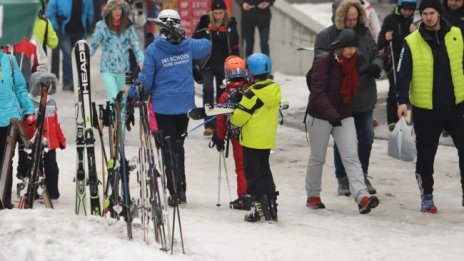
(167,72)
(63,8)
(115,54)
(14,100)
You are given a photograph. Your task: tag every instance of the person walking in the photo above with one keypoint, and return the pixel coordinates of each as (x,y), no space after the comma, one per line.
(167,77)
(335,82)
(258,115)
(431,79)
(453,12)
(116,34)
(350,14)
(256,14)
(221,30)
(70,20)
(396,26)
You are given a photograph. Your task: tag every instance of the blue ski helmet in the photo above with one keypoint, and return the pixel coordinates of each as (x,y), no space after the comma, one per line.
(259,63)
(408,4)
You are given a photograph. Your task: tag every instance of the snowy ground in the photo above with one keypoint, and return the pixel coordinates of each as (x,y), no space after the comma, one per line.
(396,230)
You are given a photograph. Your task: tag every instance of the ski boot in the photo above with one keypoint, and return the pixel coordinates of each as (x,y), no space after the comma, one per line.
(241,203)
(259,212)
(272,201)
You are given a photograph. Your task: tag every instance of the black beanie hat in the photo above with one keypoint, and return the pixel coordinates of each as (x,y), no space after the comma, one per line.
(346,38)
(218,4)
(435,4)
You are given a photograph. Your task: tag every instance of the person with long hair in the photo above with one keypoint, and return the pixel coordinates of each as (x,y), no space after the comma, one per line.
(220,28)
(116,34)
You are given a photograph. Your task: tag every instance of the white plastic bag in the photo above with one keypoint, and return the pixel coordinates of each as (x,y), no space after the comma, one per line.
(401,144)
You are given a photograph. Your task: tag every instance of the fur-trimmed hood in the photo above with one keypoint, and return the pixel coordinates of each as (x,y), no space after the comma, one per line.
(112,4)
(37,78)
(342,9)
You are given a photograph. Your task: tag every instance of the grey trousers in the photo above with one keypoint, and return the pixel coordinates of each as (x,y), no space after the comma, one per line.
(345,138)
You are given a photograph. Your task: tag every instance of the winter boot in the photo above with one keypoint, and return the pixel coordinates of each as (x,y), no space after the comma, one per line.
(367,203)
(315,203)
(343,186)
(272,200)
(427,204)
(241,203)
(369,186)
(259,212)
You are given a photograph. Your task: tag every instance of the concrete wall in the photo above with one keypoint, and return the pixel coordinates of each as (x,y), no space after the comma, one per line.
(289,29)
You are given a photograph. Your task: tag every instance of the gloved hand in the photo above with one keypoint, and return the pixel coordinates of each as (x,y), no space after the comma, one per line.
(218,143)
(197,77)
(62,146)
(29,119)
(204,22)
(375,70)
(336,123)
(128,78)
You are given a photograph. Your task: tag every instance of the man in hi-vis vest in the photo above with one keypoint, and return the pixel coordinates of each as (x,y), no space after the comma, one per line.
(431,79)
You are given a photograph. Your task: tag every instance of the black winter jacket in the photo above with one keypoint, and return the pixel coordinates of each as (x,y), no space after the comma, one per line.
(400,26)
(255,16)
(454,17)
(367,91)
(325,101)
(224,40)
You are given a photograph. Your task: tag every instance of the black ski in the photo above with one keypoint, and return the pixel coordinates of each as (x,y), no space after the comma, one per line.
(81,61)
(35,176)
(123,170)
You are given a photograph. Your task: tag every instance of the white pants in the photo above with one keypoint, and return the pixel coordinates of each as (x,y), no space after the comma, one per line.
(345,138)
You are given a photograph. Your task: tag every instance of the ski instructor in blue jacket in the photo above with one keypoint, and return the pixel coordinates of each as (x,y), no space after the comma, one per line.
(167,76)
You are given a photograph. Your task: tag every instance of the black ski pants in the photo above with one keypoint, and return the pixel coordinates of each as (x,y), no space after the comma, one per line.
(50,167)
(428,125)
(258,172)
(174,126)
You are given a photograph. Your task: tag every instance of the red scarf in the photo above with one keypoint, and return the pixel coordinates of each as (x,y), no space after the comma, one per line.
(350,82)
(116,24)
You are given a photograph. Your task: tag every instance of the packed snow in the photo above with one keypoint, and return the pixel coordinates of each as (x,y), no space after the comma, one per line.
(395,230)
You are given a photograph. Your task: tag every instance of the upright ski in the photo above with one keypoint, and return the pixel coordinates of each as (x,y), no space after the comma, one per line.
(35,176)
(81,62)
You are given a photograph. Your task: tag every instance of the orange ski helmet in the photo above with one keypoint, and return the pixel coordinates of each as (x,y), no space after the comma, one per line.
(235,67)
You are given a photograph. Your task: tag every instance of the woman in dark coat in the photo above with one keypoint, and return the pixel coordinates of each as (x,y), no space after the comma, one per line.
(335,82)
(220,28)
